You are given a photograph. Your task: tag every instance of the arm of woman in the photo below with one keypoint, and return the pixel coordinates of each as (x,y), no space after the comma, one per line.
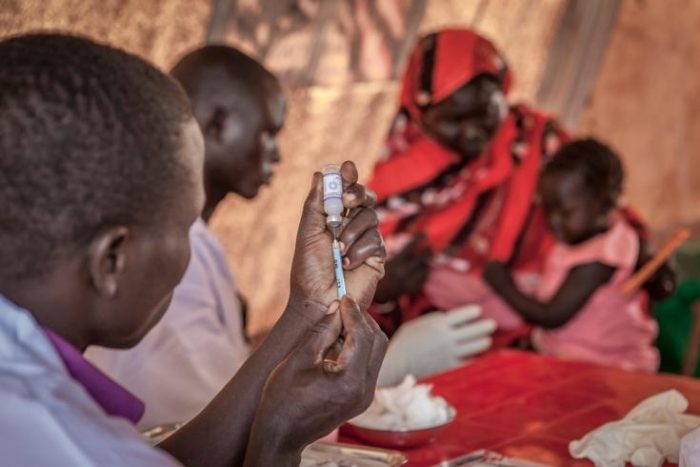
(579,285)
(405,273)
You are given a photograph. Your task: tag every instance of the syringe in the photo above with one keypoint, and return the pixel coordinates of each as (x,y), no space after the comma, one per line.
(333,206)
(338,266)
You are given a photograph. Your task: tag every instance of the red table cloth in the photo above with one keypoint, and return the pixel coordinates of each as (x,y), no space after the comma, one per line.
(529,406)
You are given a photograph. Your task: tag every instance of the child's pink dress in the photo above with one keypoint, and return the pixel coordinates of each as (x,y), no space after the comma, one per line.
(610,329)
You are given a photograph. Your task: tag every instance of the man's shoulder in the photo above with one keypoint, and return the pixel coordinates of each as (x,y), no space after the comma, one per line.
(44,427)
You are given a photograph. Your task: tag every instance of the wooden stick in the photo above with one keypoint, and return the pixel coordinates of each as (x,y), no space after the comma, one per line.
(640,277)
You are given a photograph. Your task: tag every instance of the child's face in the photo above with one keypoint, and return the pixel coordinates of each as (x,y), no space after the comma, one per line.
(573,213)
(467,120)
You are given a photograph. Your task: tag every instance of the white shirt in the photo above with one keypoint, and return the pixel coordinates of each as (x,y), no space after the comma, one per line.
(188,357)
(46,417)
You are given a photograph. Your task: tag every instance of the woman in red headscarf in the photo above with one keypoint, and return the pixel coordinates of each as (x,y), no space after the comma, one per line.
(456,186)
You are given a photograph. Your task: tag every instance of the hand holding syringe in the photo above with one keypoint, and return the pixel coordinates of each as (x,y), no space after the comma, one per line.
(354,222)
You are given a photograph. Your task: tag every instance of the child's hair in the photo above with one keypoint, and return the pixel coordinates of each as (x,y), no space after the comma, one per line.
(597,164)
(90,137)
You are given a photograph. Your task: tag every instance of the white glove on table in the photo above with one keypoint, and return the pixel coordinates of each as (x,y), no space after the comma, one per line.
(649,434)
(435,342)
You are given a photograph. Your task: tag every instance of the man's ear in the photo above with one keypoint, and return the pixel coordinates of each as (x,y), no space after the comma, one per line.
(107,260)
(213,128)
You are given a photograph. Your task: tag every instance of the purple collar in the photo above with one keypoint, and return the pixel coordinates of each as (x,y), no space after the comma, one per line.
(113,398)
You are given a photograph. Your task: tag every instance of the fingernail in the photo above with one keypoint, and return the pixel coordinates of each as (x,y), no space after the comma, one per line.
(342,247)
(350,196)
(346,262)
(333,307)
(348,297)
(329,366)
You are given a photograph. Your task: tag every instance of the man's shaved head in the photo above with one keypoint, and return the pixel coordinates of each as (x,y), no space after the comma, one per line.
(88,135)
(240,108)
(222,71)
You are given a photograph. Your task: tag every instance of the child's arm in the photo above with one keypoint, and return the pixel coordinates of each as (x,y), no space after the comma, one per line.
(577,288)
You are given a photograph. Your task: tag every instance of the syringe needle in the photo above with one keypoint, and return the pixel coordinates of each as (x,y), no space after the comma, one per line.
(338,266)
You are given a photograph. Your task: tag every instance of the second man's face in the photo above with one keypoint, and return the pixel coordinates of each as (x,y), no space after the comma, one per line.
(242,158)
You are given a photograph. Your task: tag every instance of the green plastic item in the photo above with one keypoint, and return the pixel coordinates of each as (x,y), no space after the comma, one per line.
(687,260)
(675,318)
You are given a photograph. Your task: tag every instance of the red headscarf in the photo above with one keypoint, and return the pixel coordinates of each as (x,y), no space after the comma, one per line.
(478,210)
(440,64)
(443,62)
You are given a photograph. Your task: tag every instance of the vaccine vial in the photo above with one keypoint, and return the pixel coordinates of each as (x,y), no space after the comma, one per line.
(333,197)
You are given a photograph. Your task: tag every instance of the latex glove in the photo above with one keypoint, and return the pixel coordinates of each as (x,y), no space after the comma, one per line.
(649,434)
(436,342)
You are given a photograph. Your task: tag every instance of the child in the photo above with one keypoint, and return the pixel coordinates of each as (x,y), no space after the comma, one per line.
(579,310)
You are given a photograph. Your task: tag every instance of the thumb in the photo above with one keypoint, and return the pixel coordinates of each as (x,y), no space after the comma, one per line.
(321,338)
(356,346)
